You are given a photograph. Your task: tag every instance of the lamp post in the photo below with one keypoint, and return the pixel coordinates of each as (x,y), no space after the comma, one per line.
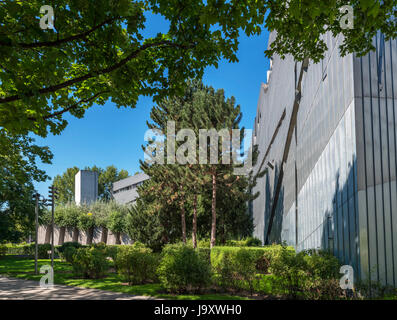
(52,195)
(36,250)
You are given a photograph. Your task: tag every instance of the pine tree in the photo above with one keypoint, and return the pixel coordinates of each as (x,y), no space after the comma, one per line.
(199,108)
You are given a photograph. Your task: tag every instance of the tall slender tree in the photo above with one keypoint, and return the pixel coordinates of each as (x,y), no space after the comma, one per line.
(200,108)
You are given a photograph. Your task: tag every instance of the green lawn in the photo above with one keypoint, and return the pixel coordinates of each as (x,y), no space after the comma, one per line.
(63,274)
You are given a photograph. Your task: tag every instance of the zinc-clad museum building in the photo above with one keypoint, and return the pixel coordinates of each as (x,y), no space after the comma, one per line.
(327,133)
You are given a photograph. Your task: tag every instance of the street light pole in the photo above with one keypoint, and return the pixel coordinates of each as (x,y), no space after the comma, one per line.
(52,196)
(53,229)
(36,250)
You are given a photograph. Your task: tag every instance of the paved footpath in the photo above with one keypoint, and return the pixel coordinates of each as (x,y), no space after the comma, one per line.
(11,288)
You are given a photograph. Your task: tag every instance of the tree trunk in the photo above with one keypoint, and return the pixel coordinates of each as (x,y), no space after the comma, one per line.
(194,232)
(223,239)
(90,235)
(75,234)
(61,239)
(104,235)
(213,209)
(47,234)
(183,219)
(117,235)
(164,235)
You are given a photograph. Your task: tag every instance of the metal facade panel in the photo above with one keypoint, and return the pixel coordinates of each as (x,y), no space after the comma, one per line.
(380,228)
(345,157)
(388,236)
(393,226)
(363,234)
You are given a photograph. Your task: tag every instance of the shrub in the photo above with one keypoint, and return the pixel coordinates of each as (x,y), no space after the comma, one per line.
(182,269)
(65,245)
(68,254)
(307,274)
(269,254)
(3,250)
(253,242)
(68,249)
(236,268)
(111,251)
(100,246)
(43,250)
(136,264)
(322,281)
(117,221)
(248,242)
(29,249)
(89,262)
(373,290)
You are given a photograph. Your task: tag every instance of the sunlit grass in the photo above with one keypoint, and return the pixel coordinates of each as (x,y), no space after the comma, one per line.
(23,268)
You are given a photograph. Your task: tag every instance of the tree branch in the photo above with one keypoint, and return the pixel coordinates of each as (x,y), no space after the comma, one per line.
(89,75)
(73,106)
(60,41)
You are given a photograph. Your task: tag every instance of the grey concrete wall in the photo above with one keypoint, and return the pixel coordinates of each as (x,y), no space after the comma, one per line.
(82,236)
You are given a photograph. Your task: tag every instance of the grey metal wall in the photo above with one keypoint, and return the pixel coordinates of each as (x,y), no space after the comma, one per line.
(376,94)
(339,188)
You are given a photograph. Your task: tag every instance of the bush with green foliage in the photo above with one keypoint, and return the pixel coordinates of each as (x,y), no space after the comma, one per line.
(236,268)
(136,264)
(365,289)
(112,250)
(86,219)
(68,244)
(68,249)
(68,254)
(29,249)
(90,263)
(183,269)
(67,215)
(16,249)
(247,242)
(117,220)
(269,254)
(307,274)
(3,250)
(43,250)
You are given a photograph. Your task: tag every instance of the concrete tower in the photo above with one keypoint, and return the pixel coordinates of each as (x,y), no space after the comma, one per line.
(85,186)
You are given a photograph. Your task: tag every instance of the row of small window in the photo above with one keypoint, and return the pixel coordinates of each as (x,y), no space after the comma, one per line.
(133,186)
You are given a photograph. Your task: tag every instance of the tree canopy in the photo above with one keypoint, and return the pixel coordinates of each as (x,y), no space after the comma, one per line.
(65,182)
(201,189)
(101,49)
(301,24)
(19,158)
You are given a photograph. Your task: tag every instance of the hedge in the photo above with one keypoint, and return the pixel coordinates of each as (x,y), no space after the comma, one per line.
(29,249)
(183,269)
(240,268)
(137,264)
(3,250)
(90,263)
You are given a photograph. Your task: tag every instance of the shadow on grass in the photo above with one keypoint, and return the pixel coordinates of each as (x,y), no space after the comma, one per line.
(23,268)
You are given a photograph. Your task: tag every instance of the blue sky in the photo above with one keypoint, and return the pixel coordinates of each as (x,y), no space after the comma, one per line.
(111,136)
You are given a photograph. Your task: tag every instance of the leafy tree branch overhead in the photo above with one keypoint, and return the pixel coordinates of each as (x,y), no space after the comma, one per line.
(98,50)
(301,24)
